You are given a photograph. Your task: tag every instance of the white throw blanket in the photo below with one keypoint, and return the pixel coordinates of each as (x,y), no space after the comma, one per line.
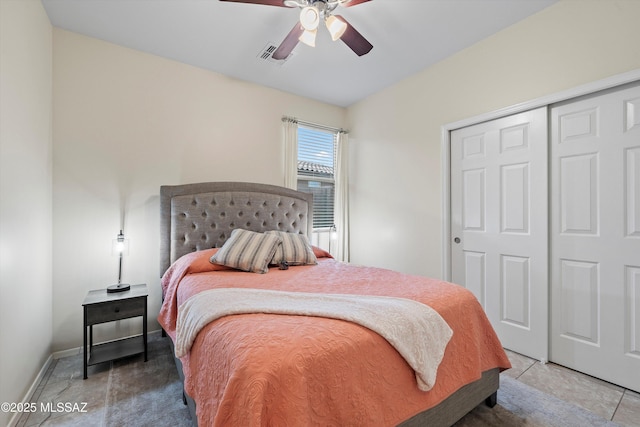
(416,330)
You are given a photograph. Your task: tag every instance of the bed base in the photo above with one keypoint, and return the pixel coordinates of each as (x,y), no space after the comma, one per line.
(445,414)
(186,399)
(460,403)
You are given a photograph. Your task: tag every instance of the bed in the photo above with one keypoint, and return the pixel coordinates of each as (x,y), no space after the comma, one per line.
(279,368)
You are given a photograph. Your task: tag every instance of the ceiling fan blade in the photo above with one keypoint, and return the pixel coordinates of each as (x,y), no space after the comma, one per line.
(266,2)
(289,42)
(354,3)
(354,39)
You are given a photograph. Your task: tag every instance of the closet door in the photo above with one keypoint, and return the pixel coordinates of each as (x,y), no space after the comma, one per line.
(499,225)
(595,234)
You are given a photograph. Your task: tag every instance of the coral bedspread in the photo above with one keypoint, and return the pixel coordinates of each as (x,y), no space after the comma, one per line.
(270,369)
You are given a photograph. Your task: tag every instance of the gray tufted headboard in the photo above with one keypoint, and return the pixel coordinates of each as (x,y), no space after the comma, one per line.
(202,216)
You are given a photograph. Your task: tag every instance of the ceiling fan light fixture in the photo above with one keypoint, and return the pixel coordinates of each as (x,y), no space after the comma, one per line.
(336,27)
(310,18)
(305,30)
(309,37)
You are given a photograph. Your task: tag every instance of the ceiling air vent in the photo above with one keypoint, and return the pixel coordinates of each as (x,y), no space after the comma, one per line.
(267,52)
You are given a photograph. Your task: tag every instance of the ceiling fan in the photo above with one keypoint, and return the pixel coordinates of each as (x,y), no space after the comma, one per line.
(311,13)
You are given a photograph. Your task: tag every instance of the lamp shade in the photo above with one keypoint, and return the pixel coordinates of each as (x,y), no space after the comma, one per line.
(309,37)
(120,245)
(336,27)
(310,18)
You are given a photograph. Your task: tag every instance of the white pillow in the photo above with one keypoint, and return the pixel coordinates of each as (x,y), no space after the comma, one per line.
(247,250)
(294,250)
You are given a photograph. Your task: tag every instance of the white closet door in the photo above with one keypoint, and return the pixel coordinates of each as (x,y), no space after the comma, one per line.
(595,235)
(499,225)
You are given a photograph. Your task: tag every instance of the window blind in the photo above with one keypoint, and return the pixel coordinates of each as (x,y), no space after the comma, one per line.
(316,160)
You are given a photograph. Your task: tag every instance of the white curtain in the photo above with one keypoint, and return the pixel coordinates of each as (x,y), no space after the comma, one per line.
(290,131)
(341,206)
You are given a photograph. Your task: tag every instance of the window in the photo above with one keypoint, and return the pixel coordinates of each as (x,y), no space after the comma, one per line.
(316,160)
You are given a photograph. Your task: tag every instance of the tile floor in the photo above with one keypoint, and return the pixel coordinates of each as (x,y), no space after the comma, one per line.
(61,384)
(607,400)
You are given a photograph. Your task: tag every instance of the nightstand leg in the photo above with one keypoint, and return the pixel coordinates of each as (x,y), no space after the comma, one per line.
(84,361)
(144,330)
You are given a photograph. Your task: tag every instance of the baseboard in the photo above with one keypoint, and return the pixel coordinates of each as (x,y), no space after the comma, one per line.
(16,416)
(66,353)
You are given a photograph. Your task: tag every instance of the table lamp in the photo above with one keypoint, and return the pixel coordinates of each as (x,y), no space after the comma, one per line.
(119,247)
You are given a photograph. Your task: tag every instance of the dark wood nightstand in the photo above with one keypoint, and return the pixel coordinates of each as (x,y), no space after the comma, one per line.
(102,307)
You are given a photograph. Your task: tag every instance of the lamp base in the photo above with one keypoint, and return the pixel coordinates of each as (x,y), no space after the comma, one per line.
(120,287)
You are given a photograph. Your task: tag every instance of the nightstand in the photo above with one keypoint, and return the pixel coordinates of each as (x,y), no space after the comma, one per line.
(102,307)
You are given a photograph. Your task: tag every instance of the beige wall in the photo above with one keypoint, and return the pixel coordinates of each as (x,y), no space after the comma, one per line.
(25,196)
(396,184)
(125,123)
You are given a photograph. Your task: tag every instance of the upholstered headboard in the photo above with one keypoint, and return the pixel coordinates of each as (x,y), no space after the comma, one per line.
(202,216)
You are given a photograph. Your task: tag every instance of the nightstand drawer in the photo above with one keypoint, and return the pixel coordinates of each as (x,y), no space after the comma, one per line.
(115,310)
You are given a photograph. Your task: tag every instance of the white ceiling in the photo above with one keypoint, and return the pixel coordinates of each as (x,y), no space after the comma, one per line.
(226,37)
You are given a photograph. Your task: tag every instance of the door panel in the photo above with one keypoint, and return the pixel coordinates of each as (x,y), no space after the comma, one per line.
(595,239)
(580,295)
(474,274)
(632,184)
(579,194)
(632,338)
(514,281)
(473,199)
(499,204)
(515,198)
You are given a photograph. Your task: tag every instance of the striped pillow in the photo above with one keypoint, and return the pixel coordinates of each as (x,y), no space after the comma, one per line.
(247,251)
(294,250)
